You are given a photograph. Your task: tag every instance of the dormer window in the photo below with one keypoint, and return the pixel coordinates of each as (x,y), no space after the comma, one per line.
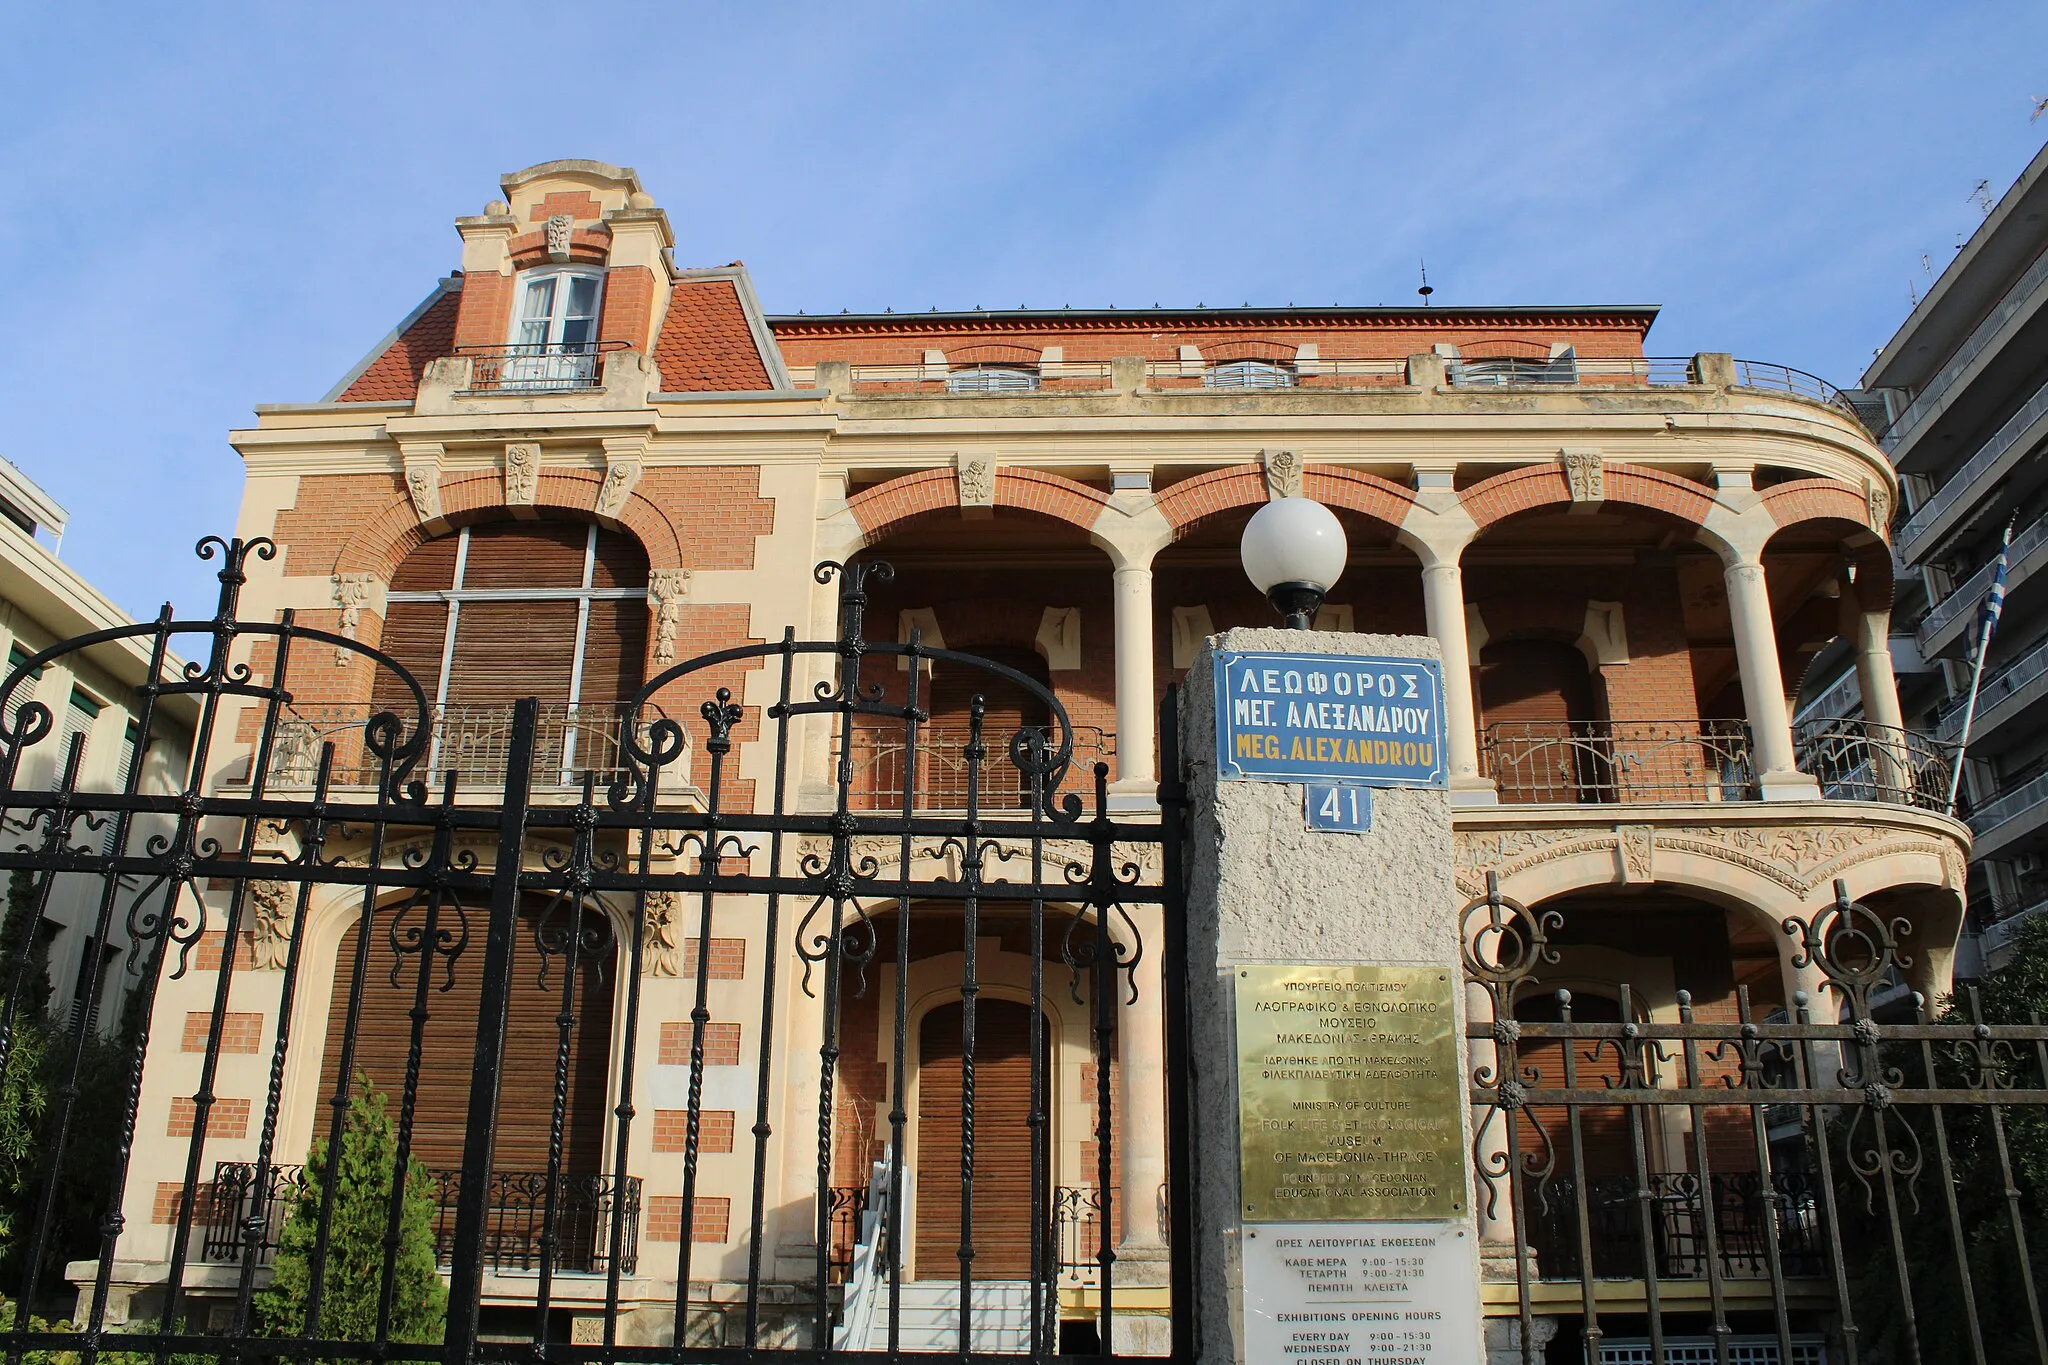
(554,335)
(1248,374)
(991,379)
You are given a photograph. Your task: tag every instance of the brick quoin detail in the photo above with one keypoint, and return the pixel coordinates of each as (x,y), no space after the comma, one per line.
(1543,485)
(1816,500)
(672,1130)
(665,1218)
(890,507)
(228,1119)
(1192,503)
(721,1043)
(238,1032)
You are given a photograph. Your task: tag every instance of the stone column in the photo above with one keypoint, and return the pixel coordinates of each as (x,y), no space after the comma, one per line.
(1443,604)
(1763,684)
(1136,683)
(1869,635)
(1262,889)
(1141,1257)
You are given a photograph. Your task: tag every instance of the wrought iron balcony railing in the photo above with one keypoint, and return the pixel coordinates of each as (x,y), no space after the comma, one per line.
(584,1208)
(1854,760)
(472,742)
(1596,762)
(883,764)
(538,367)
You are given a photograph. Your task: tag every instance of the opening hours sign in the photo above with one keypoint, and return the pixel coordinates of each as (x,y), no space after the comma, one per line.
(1329,718)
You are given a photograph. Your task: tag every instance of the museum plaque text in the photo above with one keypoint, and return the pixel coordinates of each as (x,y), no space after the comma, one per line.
(1348,1094)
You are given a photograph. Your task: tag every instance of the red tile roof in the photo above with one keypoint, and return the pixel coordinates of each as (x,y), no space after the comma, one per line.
(706,345)
(394,376)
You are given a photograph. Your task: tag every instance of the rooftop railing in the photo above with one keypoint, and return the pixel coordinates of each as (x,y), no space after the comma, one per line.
(1996,687)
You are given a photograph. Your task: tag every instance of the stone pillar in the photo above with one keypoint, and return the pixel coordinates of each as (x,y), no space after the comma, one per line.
(1141,1257)
(1763,682)
(1136,684)
(1869,635)
(1262,889)
(1443,603)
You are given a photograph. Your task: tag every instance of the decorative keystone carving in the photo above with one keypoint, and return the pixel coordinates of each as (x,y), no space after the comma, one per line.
(1283,473)
(1587,475)
(621,472)
(1638,852)
(522,473)
(270,935)
(977,481)
(423,479)
(1878,499)
(661,952)
(1059,638)
(666,591)
(560,225)
(352,592)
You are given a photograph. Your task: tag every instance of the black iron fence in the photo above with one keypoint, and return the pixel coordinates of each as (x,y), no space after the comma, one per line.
(538,366)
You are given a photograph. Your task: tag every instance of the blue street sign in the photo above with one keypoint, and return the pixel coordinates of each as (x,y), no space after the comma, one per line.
(1329,718)
(1338,809)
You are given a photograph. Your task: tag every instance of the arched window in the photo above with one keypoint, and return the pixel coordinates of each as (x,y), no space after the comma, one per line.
(991,379)
(554,332)
(1248,374)
(493,613)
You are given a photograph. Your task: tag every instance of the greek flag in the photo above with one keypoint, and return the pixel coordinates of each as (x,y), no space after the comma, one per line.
(1994,602)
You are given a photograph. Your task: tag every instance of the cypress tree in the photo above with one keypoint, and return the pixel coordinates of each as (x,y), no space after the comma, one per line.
(354,1274)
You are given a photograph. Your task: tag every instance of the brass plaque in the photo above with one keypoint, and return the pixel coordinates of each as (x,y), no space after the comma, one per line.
(1348,1094)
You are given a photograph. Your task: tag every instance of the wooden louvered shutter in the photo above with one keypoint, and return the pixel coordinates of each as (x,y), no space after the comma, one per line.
(448,1056)
(1002,1141)
(415,632)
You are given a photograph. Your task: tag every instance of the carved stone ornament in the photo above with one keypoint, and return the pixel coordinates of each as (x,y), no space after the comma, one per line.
(666,591)
(1878,499)
(1283,473)
(352,592)
(1638,852)
(423,481)
(661,951)
(1586,474)
(977,481)
(559,226)
(620,475)
(270,933)
(522,473)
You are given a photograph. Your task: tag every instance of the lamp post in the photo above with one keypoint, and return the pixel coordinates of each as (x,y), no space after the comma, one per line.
(1294,551)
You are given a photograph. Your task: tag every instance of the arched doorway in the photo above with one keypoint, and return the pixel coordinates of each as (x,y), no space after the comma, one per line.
(453,997)
(1003,1227)
(1538,701)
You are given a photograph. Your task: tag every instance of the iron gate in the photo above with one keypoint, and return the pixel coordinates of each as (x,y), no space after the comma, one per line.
(478,902)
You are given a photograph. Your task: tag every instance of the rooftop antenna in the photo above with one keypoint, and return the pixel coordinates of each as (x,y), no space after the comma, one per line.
(1981,196)
(1425,291)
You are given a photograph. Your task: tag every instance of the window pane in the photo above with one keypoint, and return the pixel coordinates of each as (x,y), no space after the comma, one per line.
(540,299)
(582,296)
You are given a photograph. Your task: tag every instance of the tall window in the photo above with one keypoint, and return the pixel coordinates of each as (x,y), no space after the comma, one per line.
(490,614)
(554,335)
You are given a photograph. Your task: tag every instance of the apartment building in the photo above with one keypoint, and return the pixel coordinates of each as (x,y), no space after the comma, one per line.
(89,697)
(1960,399)
(577,464)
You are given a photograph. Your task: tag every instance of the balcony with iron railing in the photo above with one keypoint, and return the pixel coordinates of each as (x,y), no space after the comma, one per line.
(583,1210)
(1639,761)
(1933,397)
(937,770)
(1978,476)
(1954,610)
(537,367)
(470,742)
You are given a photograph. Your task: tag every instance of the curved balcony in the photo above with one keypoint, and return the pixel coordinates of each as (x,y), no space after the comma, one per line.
(1619,762)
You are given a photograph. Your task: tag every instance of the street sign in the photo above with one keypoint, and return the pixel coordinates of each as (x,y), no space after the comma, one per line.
(1329,718)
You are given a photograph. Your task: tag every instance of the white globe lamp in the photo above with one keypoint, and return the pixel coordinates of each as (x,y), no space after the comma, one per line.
(1294,551)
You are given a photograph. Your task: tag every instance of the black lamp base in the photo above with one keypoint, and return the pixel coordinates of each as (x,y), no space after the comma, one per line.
(1297,602)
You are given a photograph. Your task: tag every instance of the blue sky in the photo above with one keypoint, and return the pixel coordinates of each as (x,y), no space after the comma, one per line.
(211,206)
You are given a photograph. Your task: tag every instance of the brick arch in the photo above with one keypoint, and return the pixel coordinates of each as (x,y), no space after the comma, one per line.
(994,353)
(1195,502)
(896,504)
(1540,487)
(1816,500)
(587,246)
(1249,348)
(394,532)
